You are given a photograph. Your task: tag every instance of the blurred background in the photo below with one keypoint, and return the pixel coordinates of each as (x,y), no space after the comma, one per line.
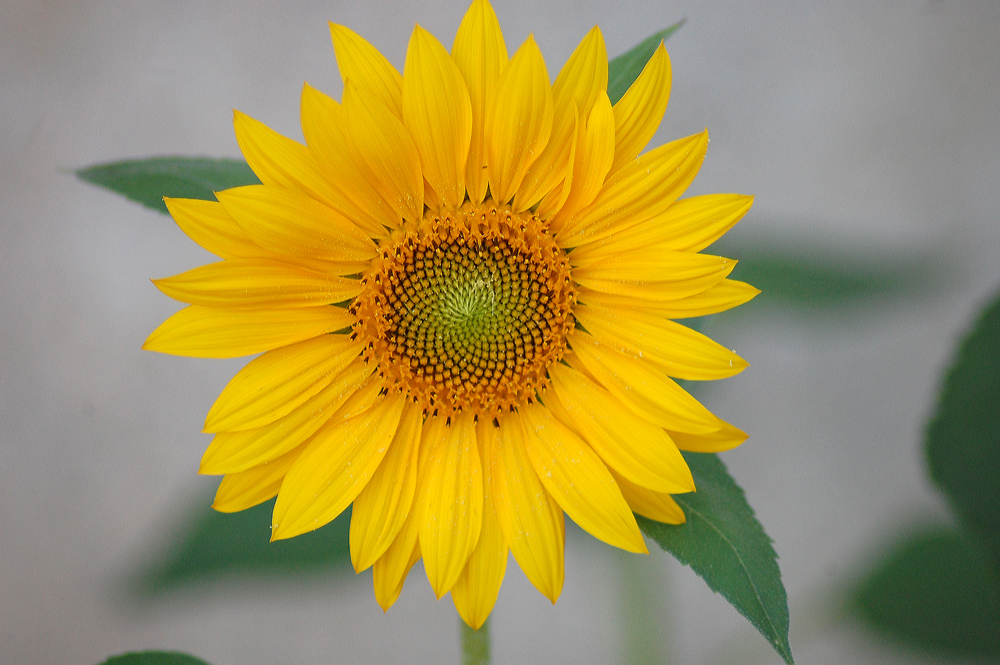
(867,131)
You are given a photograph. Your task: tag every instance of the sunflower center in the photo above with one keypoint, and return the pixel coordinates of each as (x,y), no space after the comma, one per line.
(467,309)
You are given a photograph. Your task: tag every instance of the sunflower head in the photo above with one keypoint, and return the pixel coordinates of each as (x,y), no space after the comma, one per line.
(462,288)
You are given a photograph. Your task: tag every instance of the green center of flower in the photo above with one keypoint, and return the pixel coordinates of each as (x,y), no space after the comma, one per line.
(468,309)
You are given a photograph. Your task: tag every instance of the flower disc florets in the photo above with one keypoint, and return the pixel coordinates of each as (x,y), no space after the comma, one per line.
(466,310)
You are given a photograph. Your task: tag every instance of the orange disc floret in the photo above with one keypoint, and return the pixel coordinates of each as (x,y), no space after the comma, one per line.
(465,310)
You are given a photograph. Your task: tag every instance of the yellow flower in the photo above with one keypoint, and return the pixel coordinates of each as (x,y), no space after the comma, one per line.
(463,287)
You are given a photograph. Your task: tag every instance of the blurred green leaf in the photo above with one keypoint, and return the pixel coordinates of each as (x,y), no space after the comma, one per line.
(625,69)
(936,591)
(786,273)
(147,181)
(724,543)
(963,439)
(154,658)
(218,545)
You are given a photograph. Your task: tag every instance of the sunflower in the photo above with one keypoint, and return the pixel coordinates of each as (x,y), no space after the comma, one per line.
(462,290)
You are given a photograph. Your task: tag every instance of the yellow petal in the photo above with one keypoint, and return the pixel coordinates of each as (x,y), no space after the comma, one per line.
(679,351)
(554,165)
(276,382)
(632,446)
(688,225)
(438,114)
(209,225)
(647,276)
(552,202)
(364,398)
(206,332)
(595,149)
(382,506)
(256,284)
(559,412)
(641,387)
(475,593)
(293,224)
(725,295)
(431,198)
(658,506)
(585,75)
(696,223)
(642,189)
(246,489)
(726,438)
(389,572)
(578,480)
(335,268)
(639,112)
(452,498)
(519,121)
(282,162)
(368,69)
(384,152)
(480,53)
(335,466)
(578,86)
(323,126)
(231,452)
(531,521)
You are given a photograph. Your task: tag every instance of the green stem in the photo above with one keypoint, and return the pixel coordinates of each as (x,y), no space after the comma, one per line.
(644,614)
(475,644)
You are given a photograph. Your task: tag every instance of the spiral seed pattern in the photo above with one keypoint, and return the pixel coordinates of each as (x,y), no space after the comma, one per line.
(466,310)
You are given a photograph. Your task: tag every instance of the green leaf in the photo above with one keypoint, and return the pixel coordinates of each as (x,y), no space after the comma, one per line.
(147,181)
(154,658)
(963,439)
(625,69)
(724,543)
(936,591)
(220,545)
(798,276)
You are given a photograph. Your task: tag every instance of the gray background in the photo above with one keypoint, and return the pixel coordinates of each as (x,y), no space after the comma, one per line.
(861,127)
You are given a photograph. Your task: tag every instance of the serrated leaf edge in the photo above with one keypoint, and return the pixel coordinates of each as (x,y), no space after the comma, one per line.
(786,654)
